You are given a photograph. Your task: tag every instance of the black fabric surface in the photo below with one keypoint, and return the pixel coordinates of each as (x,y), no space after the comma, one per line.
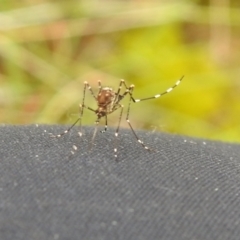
(188,189)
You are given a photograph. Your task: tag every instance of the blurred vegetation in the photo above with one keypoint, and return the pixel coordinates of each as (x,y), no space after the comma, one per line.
(49,48)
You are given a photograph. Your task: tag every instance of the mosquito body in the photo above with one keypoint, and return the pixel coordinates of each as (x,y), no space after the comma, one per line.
(108,101)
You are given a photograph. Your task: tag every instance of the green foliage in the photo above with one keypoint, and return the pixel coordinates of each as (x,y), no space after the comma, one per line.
(49,48)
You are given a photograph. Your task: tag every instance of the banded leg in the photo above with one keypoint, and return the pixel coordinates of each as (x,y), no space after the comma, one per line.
(66,131)
(118,96)
(99,86)
(106,125)
(157,95)
(86,84)
(161,94)
(94,134)
(80,132)
(79,119)
(128,121)
(81,107)
(117,130)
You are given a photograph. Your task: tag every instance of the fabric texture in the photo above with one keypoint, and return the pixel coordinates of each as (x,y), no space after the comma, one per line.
(187,188)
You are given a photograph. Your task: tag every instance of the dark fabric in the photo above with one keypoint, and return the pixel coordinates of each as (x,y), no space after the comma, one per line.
(188,189)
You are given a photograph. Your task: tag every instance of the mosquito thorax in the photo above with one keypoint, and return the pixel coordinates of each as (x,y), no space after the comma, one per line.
(105,96)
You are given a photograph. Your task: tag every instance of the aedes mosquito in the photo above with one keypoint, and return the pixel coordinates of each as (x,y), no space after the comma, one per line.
(108,101)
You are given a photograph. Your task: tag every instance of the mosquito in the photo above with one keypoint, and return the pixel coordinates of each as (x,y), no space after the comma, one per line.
(108,101)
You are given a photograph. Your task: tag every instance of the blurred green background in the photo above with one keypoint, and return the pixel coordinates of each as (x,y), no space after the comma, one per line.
(49,48)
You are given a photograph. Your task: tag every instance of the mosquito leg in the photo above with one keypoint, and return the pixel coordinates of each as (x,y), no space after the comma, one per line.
(99,86)
(81,108)
(117,130)
(80,132)
(128,90)
(159,95)
(66,131)
(94,134)
(84,106)
(81,113)
(86,84)
(140,141)
(128,121)
(79,119)
(122,82)
(106,125)
(120,97)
